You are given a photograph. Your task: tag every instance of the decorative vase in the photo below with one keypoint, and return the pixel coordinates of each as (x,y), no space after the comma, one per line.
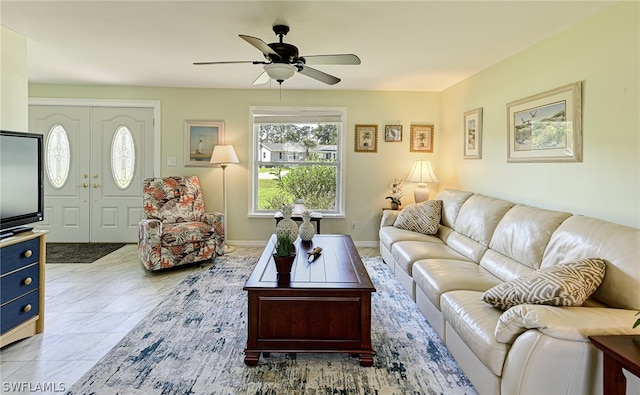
(306,230)
(286,224)
(298,207)
(394,206)
(283,266)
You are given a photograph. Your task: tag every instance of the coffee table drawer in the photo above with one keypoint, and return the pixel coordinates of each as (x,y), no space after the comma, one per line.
(309,318)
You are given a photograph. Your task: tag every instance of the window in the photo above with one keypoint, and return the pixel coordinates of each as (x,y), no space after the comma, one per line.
(298,153)
(58,157)
(123,157)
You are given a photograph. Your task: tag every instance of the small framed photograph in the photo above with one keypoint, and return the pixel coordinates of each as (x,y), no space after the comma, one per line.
(366,138)
(546,127)
(393,133)
(473,134)
(421,138)
(199,139)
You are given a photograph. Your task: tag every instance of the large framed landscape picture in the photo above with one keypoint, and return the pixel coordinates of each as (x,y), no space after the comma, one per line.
(199,139)
(546,127)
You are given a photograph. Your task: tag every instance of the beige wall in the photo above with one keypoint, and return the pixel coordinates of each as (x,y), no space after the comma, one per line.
(603,52)
(367,175)
(13,81)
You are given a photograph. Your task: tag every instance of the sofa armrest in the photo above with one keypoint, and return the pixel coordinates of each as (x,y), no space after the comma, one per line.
(389,217)
(566,323)
(214,219)
(150,229)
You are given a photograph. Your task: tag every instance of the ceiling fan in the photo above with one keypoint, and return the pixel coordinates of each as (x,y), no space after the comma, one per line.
(283,60)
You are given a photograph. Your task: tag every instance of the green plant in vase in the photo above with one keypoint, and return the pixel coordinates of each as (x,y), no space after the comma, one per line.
(284,255)
(284,244)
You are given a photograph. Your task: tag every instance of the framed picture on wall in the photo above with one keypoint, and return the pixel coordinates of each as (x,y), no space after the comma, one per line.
(393,133)
(421,137)
(366,138)
(473,134)
(546,127)
(199,139)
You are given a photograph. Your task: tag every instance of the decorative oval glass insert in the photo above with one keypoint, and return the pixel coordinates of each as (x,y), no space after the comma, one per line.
(123,157)
(58,156)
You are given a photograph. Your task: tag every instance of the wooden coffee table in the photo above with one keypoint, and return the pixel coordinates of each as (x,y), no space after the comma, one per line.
(326,306)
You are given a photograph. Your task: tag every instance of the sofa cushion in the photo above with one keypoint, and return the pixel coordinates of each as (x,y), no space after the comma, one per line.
(452,200)
(390,235)
(438,276)
(185,232)
(523,233)
(405,253)
(580,236)
(422,217)
(566,284)
(479,217)
(475,322)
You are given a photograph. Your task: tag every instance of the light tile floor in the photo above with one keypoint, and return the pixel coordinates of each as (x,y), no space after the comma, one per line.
(89,309)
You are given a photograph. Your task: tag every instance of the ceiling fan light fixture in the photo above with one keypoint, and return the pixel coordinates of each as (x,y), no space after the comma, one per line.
(280,71)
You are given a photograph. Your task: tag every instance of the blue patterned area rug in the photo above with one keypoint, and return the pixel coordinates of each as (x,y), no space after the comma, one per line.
(193,343)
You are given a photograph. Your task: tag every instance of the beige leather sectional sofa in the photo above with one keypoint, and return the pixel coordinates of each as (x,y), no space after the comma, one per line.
(484,241)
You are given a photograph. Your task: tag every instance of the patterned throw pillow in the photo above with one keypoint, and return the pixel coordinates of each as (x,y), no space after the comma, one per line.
(566,284)
(423,217)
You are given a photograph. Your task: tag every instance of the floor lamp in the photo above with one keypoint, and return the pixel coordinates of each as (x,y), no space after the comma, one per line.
(224,155)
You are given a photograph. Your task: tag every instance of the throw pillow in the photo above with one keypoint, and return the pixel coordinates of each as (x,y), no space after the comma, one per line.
(565,284)
(423,217)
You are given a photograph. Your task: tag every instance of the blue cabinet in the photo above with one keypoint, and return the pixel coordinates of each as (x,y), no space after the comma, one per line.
(22,273)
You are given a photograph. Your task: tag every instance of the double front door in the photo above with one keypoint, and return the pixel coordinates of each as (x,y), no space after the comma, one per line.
(95,161)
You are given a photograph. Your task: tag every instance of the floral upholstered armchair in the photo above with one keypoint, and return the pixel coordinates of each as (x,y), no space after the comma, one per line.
(175,229)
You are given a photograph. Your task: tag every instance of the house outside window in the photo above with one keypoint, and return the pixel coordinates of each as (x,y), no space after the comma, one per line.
(297,153)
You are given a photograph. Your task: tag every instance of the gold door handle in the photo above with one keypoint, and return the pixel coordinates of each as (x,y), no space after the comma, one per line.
(28,253)
(84,185)
(96,185)
(28,281)
(26,308)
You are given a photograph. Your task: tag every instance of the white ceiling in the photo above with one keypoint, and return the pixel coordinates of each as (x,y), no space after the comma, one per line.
(403,45)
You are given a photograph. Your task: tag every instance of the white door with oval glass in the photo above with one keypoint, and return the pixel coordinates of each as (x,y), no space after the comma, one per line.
(95,161)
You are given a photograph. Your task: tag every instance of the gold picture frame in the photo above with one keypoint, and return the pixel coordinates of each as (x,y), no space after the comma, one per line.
(421,138)
(473,134)
(393,133)
(366,138)
(199,139)
(546,127)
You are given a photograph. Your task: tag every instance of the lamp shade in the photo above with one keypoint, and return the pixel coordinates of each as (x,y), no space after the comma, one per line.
(422,172)
(224,154)
(280,71)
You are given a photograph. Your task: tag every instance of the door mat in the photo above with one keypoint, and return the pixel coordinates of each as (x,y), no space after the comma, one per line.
(79,252)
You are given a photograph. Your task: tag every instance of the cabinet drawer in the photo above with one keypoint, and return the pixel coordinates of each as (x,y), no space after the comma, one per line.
(18,311)
(19,283)
(19,255)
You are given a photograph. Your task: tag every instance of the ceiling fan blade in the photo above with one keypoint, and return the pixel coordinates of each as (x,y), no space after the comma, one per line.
(262,79)
(230,62)
(319,75)
(261,45)
(332,59)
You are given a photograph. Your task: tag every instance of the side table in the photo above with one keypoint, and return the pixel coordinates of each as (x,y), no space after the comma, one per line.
(619,351)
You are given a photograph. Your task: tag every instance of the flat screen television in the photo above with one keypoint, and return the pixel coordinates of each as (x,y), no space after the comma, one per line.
(21,181)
